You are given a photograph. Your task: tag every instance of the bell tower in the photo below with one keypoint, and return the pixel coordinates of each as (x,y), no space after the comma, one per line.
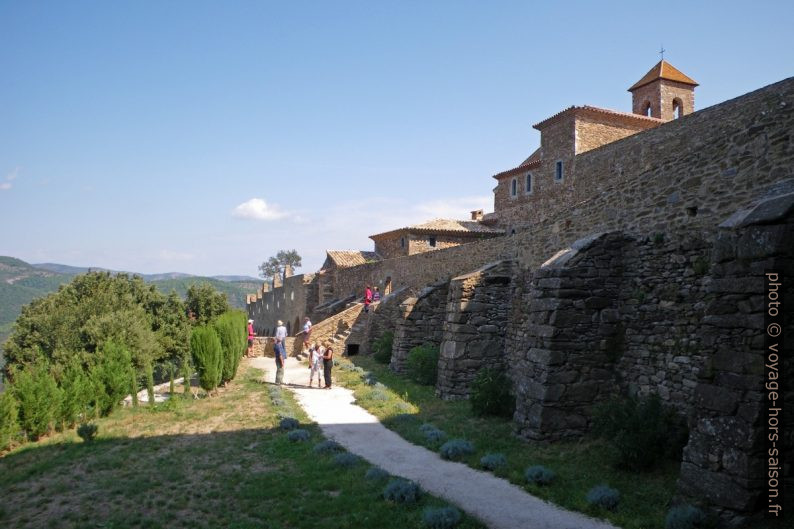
(664,92)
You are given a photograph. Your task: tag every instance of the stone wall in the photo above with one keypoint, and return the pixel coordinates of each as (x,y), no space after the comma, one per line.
(725,460)
(421,322)
(474,329)
(593,133)
(290,302)
(383,318)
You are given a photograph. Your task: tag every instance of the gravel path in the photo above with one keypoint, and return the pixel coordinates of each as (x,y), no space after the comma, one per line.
(494,501)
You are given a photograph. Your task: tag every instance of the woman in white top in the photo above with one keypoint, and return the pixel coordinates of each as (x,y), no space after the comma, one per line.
(315,363)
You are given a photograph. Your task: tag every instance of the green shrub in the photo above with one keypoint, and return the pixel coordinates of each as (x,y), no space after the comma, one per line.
(456,449)
(382,347)
(288,423)
(171,375)
(298,435)
(346,460)
(441,517)
(9,420)
(149,372)
(491,394)
(231,330)
(603,496)
(641,431)
(112,376)
(684,517)
(39,399)
(87,432)
(539,475)
(423,364)
(493,461)
(207,356)
(327,447)
(186,373)
(376,474)
(402,491)
(78,393)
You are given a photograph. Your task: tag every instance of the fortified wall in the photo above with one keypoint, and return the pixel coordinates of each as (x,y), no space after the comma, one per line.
(642,272)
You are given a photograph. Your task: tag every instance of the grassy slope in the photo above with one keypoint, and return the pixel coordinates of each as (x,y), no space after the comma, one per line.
(218,462)
(578,465)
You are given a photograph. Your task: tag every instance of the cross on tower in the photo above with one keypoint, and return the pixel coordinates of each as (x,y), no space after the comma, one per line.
(661,51)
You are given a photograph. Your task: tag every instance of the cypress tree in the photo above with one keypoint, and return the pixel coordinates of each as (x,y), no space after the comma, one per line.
(207,356)
(149,381)
(232,333)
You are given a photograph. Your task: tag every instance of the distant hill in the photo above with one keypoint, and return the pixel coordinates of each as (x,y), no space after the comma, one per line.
(21,283)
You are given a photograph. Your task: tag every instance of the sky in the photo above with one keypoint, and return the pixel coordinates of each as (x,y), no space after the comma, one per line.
(204,137)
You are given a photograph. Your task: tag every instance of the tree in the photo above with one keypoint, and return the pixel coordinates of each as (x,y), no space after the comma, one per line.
(230,327)
(277,264)
(205,303)
(207,356)
(39,398)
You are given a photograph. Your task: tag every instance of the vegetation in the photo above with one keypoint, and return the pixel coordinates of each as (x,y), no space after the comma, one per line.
(441,517)
(87,432)
(423,364)
(492,394)
(641,432)
(402,491)
(231,330)
(456,449)
(9,425)
(207,356)
(579,465)
(604,497)
(204,303)
(275,265)
(39,399)
(382,347)
(539,475)
(220,462)
(493,461)
(684,517)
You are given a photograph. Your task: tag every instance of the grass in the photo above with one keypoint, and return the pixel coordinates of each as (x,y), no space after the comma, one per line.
(578,465)
(213,462)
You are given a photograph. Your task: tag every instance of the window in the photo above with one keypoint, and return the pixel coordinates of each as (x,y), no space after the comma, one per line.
(292,296)
(431,241)
(646,109)
(402,242)
(558,170)
(528,186)
(677,108)
(513,187)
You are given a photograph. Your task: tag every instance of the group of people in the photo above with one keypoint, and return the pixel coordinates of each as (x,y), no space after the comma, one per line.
(321,357)
(370,297)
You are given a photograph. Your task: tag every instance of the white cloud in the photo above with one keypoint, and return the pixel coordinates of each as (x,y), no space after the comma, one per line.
(258,209)
(453,208)
(13,174)
(5,185)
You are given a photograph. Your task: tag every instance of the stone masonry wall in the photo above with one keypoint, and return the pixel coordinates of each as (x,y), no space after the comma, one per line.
(476,317)
(421,322)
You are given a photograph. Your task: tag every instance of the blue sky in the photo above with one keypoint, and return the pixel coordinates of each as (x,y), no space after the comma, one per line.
(203,137)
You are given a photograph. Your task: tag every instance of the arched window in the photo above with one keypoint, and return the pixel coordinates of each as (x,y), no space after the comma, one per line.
(528,186)
(513,187)
(646,109)
(402,242)
(678,108)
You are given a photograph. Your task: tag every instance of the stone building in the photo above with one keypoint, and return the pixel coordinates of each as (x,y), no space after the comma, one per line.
(436,234)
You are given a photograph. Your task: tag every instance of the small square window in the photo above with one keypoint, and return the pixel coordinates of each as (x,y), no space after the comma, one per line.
(558,170)
(431,241)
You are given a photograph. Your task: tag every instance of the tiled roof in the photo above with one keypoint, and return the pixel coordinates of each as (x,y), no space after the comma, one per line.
(595,112)
(348,258)
(460,227)
(663,70)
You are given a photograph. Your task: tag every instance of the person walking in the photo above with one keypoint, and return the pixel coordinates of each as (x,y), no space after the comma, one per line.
(367,298)
(307,332)
(328,364)
(376,295)
(280,351)
(250,339)
(315,363)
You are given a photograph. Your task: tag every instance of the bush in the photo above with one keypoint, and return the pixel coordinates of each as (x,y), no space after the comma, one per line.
(539,475)
(427,427)
(298,435)
(87,432)
(402,491)
(346,460)
(186,373)
(493,461)
(328,447)
(456,449)
(231,330)
(370,379)
(435,436)
(441,517)
(641,431)
(604,496)
(9,420)
(423,364)
(39,399)
(378,395)
(382,348)
(491,394)
(376,474)
(207,356)
(112,375)
(78,393)
(684,517)
(288,423)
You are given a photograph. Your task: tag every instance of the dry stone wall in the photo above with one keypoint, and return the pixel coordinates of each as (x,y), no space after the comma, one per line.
(474,329)
(421,322)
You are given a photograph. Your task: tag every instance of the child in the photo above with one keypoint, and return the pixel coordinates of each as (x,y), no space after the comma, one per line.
(315,363)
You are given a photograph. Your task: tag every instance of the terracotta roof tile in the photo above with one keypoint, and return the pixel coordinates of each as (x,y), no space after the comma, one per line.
(348,258)
(594,112)
(663,70)
(461,227)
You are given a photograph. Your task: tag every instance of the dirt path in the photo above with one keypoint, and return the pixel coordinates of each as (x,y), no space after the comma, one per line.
(494,501)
